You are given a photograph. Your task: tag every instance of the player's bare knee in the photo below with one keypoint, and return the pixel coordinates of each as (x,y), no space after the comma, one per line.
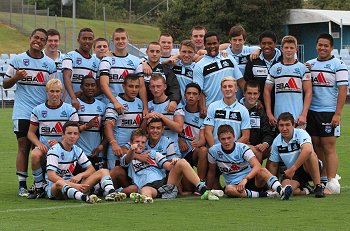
(103,172)
(37,155)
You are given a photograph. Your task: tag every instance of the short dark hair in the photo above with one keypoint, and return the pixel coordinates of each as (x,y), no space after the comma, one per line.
(155,120)
(100,40)
(130,77)
(137,132)
(195,85)
(153,43)
(40,30)
(53,32)
(285,116)
(251,83)
(187,43)
(120,30)
(86,29)
(165,35)
(325,36)
(237,30)
(69,124)
(225,128)
(85,78)
(211,34)
(156,76)
(268,34)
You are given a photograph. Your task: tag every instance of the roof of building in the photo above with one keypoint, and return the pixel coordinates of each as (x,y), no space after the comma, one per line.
(305,16)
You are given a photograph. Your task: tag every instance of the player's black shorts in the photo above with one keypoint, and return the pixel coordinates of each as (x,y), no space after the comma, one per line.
(189,159)
(301,176)
(156,185)
(319,124)
(21,127)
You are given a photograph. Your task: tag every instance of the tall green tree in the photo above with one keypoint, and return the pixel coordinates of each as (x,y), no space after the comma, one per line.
(220,15)
(328,4)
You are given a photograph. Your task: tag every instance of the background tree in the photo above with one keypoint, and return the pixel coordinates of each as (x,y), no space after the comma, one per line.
(220,15)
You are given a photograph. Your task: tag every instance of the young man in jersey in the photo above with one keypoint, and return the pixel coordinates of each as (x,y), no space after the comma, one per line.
(261,134)
(166,45)
(174,121)
(49,118)
(101,48)
(258,69)
(192,139)
(227,111)
(77,64)
(51,50)
(183,67)
(90,115)
(148,175)
(293,146)
(197,37)
(291,82)
(329,88)
(211,69)
(113,70)
(172,91)
(30,71)
(61,161)
(119,125)
(243,174)
(238,50)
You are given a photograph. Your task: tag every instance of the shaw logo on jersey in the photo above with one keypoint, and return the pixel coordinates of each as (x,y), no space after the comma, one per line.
(319,80)
(291,85)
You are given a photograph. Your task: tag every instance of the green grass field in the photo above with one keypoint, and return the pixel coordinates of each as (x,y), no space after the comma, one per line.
(138,34)
(185,213)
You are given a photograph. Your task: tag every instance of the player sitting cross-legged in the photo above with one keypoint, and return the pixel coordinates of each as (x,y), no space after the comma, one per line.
(61,161)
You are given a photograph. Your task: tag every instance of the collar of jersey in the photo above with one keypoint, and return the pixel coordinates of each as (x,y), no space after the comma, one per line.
(161,102)
(232,105)
(121,95)
(275,58)
(42,55)
(50,107)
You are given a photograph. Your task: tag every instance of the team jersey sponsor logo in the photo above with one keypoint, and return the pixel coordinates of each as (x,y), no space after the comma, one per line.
(134,122)
(288,86)
(320,79)
(188,133)
(51,128)
(39,78)
(118,77)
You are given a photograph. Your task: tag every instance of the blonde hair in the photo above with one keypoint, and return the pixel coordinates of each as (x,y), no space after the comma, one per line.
(229,78)
(289,39)
(53,82)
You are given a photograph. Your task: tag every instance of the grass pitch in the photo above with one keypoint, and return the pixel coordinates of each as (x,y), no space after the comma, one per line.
(184,213)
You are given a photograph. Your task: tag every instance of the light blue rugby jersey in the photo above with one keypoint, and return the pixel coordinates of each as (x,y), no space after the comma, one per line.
(50,121)
(126,123)
(160,108)
(30,90)
(326,76)
(63,162)
(235,165)
(287,81)
(184,75)
(209,72)
(192,126)
(165,146)
(143,173)
(58,63)
(235,115)
(117,67)
(90,138)
(289,152)
(80,66)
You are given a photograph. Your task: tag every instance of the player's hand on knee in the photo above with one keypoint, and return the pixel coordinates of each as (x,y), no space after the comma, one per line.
(241,185)
(174,161)
(43,148)
(289,173)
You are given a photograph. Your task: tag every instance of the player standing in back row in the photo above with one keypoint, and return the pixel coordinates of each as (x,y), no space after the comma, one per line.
(329,88)
(30,70)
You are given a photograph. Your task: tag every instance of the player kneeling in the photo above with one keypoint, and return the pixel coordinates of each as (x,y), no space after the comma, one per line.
(149,177)
(61,161)
(242,171)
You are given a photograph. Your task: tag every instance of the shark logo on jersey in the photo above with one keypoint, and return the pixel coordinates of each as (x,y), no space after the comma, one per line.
(44,114)
(139,106)
(113,61)
(195,119)
(94,65)
(160,148)
(297,71)
(130,63)
(79,61)
(233,115)
(328,66)
(82,108)
(45,65)
(279,70)
(62,155)
(225,64)
(63,114)
(98,109)
(26,62)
